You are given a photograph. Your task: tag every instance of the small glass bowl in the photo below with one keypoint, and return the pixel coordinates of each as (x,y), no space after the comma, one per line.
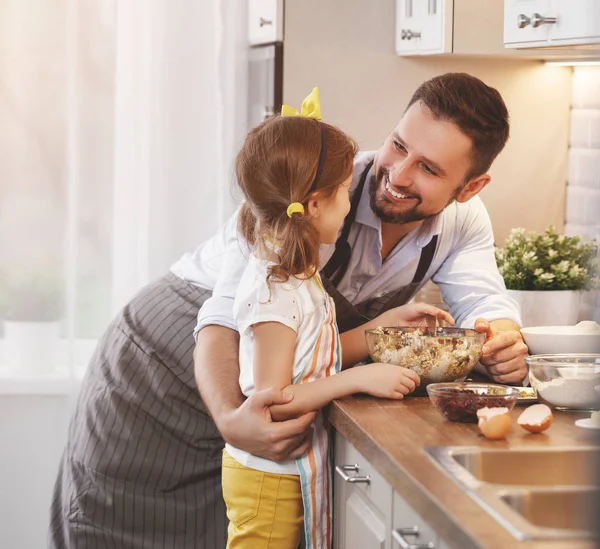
(448,354)
(460,401)
(566,381)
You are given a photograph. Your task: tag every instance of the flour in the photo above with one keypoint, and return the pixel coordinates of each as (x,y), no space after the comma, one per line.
(571,392)
(586,327)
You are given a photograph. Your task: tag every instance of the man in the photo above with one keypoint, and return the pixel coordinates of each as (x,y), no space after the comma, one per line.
(142,466)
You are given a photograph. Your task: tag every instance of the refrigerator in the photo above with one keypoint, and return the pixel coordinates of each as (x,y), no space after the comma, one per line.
(265,82)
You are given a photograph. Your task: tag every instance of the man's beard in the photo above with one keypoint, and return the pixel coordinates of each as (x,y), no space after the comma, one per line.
(386,210)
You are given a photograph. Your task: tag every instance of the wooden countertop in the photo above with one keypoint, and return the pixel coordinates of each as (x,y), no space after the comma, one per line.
(392,435)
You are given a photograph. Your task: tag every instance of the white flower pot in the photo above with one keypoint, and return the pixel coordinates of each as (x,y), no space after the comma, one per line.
(548,308)
(31,347)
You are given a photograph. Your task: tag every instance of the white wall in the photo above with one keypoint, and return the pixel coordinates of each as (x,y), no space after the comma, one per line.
(583,189)
(33,430)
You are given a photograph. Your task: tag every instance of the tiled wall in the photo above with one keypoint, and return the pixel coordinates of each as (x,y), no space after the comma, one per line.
(583,186)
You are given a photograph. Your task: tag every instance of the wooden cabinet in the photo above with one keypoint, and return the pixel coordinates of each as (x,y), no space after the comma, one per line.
(265,21)
(367,511)
(551,23)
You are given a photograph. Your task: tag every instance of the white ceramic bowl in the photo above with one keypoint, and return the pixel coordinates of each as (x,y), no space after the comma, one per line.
(549,340)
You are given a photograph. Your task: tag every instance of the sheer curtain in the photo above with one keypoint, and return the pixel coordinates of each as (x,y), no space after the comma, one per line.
(119,120)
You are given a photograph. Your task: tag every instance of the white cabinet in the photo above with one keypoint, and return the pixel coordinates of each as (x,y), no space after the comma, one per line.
(423,27)
(408,528)
(265,21)
(368,513)
(362,501)
(461,27)
(551,23)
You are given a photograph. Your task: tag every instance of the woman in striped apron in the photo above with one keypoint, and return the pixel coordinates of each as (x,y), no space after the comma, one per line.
(295,173)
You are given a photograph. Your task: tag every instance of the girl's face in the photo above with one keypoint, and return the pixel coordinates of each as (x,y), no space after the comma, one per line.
(328,214)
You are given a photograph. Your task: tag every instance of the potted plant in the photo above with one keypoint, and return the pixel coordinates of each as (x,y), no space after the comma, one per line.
(547,273)
(30,306)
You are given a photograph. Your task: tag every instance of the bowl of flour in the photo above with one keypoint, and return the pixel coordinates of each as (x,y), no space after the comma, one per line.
(566,381)
(581,338)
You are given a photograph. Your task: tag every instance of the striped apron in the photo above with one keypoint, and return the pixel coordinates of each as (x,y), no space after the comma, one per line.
(142,466)
(315,466)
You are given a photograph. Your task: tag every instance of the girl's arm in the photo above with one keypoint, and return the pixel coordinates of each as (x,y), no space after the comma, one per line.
(274,345)
(354,343)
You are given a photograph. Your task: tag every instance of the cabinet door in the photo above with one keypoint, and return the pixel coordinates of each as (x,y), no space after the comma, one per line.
(362,511)
(576,22)
(408,526)
(265,21)
(423,27)
(518,29)
(364,527)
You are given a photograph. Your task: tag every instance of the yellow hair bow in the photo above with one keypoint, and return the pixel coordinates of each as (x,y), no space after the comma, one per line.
(311,107)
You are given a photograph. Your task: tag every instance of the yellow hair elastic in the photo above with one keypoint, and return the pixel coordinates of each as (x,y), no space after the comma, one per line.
(295,208)
(311,107)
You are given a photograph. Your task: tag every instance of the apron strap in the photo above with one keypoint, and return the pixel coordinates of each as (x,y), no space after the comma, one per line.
(339,261)
(427,254)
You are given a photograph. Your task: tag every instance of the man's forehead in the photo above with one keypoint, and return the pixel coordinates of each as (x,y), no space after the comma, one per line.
(431,137)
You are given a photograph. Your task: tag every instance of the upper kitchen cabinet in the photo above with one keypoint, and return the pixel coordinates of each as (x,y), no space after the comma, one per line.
(552,23)
(423,27)
(265,21)
(459,27)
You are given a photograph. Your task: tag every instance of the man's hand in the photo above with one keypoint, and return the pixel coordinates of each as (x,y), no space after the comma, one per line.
(251,428)
(503,353)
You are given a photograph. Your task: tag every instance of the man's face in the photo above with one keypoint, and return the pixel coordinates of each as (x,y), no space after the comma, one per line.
(420,168)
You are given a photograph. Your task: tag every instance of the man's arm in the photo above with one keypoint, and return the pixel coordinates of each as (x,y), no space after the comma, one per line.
(475,293)
(245,424)
(217,371)
(503,354)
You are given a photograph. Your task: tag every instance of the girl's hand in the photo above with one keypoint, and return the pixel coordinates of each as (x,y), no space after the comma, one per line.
(386,380)
(413,314)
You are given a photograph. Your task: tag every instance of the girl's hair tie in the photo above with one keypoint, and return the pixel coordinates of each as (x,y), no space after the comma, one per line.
(295,207)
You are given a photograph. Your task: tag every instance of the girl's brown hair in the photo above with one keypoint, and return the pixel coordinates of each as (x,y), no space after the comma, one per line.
(276,166)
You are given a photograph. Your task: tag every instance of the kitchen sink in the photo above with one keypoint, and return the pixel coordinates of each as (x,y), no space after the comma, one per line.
(545,493)
(563,509)
(567,467)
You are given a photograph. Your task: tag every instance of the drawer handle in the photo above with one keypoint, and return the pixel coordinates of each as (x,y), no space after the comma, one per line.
(401,534)
(407,34)
(341,470)
(537,20)
(264,22)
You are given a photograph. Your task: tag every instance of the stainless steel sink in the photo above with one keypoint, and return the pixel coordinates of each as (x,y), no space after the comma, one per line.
(536,494)
(567,467)
(564,509)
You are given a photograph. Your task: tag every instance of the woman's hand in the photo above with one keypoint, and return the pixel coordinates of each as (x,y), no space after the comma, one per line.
(385,380)
(413,314)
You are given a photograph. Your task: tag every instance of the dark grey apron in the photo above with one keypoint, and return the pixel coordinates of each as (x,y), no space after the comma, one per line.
(350,316)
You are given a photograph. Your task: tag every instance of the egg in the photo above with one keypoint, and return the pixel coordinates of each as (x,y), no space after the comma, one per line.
(536,418)
(494,423)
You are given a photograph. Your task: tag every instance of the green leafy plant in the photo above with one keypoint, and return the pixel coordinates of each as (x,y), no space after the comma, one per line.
(548,261)
(30,296)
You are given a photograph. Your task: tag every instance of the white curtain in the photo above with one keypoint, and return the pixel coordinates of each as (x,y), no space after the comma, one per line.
(119,120)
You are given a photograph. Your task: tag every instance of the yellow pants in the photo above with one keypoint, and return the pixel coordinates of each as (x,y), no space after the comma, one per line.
(265,510)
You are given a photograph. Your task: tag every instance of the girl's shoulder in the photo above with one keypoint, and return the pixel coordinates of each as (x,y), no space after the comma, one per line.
(256,286)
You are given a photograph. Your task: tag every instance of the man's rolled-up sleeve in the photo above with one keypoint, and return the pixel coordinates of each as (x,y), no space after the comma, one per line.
(469,279)
(218,309)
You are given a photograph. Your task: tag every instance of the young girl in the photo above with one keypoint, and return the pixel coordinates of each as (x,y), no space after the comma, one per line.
(295,173)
